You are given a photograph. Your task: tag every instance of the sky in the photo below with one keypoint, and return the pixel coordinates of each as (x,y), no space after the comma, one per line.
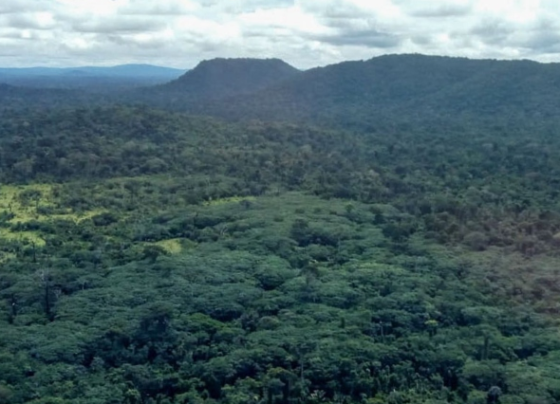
(304,33)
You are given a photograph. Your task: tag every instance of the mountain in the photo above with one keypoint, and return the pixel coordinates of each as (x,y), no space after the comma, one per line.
(220,78)
(359,94)
(119,70)
(411,86)
(89,77)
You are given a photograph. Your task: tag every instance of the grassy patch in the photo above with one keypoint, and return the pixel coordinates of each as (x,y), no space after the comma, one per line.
(5,256)
(231,199)
(35,202)
(172,246)
(13,199)
(22,236)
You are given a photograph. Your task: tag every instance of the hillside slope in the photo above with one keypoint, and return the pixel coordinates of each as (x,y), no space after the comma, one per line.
(403,86)
(360,94)
(219,78)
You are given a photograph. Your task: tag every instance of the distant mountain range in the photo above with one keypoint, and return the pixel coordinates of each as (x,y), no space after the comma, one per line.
(403,87)
(120,70)
(89,77)
(407,87)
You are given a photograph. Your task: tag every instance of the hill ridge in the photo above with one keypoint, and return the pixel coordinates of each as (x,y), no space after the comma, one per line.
(411,84)
(224,77)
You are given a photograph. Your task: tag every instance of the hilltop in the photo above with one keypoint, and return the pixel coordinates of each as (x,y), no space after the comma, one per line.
(412,86)
(222,78)
(359,94)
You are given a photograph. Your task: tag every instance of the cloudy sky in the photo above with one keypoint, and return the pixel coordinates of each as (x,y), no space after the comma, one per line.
(305,33)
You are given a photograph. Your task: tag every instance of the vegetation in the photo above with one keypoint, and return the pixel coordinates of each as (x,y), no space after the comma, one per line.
(221,78)
(362,94)
(155,257)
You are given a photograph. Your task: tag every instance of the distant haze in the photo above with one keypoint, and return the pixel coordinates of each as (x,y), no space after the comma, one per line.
(121,70)
(91,77)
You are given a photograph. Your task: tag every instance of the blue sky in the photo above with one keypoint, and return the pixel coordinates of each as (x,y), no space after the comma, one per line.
(305,33)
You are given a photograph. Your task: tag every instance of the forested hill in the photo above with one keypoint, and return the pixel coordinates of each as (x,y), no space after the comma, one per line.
(405,85)
(220,78)
(361,94)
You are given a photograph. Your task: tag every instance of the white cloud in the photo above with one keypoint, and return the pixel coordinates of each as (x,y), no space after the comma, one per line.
(305,33)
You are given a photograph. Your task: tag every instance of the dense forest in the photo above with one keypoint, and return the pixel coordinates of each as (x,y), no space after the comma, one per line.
(149,254)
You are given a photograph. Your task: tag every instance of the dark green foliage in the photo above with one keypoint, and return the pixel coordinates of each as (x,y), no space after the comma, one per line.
(104,219)
(222,78)
(175,259)
(387,89)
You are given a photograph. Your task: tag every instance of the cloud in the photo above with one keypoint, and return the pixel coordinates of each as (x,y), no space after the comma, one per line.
(543,36)
(305,33)
(23,6)
(371,39)
(36,21)
(166,8)
(359,32)
(291,20)
(118,25)
(493,31)
(444,10)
